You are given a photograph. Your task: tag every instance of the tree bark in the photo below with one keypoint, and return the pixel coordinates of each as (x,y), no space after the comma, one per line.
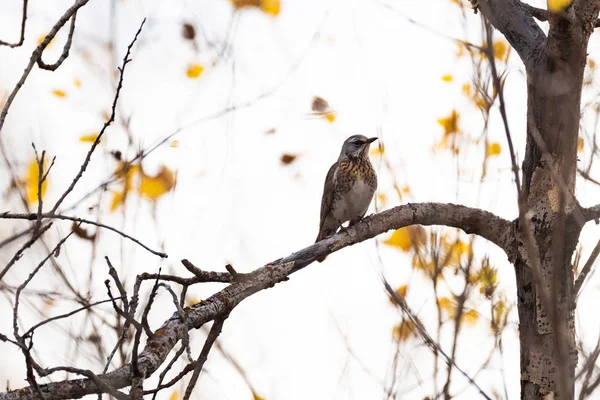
(555,65)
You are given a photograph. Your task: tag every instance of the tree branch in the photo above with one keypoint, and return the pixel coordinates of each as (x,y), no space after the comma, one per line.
(219,305)
(516,24)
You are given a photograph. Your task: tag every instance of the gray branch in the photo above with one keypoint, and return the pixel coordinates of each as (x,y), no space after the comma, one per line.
(219,305)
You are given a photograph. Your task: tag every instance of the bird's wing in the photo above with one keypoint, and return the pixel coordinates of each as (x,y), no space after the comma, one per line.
(327,194)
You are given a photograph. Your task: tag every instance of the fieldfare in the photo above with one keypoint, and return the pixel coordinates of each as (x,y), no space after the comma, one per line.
(349,187)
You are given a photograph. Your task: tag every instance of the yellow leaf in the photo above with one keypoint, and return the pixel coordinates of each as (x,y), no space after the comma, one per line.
(402,290)
(174,395)
(378,151)
(382,198)
(406,189)
(155,186)
(470,317)
(174,144)
(271,7)
(450,123)
(401,239)
(256,397)
(466,89)
(245,3)
(500,49)
(448,306)
(557,6)
(117,200)
(192,301)
(591,63)
(407,237)
(59,93)
(405,330)
(77,82)
(41,39)
(194,71)
(89,138)
(31,181)
(330,116)
(487,278)
(494,149)
(428,267)
(447,78)
(580,145)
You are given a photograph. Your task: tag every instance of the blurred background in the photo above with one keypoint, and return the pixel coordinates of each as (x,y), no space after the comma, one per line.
(230,115)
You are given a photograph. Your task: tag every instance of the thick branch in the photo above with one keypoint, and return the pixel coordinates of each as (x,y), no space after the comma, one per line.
(470,220)
(518,26)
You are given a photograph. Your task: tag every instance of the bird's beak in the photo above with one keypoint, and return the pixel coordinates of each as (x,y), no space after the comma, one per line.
(371,140)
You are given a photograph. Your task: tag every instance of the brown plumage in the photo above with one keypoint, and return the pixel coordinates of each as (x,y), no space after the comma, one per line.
(349,187)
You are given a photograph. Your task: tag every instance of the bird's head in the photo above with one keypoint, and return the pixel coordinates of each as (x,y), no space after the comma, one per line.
(356,146)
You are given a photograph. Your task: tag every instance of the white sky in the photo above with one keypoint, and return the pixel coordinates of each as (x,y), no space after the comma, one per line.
(235,203)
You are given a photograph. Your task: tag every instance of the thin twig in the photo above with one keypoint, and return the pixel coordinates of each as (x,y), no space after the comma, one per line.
(65,52)
(52,215)
(586,270)
(23,22)
(25,246)
(210,340)
(88,157)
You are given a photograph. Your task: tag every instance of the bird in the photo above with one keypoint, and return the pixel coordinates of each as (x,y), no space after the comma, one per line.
(349,187)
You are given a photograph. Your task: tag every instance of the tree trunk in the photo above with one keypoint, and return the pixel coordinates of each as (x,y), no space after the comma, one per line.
(547,331)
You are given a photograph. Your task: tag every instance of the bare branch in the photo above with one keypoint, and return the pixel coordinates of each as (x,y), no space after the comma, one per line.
(52,215)
(37,53)
(471,220)
(586,270)
(65,52)
(88,157)
(25,246)
(23,22)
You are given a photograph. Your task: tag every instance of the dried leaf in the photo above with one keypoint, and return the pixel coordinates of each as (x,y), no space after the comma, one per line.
(580,144)
(287,159)
(81,232)
(188,32)
(320,105)
(271,131)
